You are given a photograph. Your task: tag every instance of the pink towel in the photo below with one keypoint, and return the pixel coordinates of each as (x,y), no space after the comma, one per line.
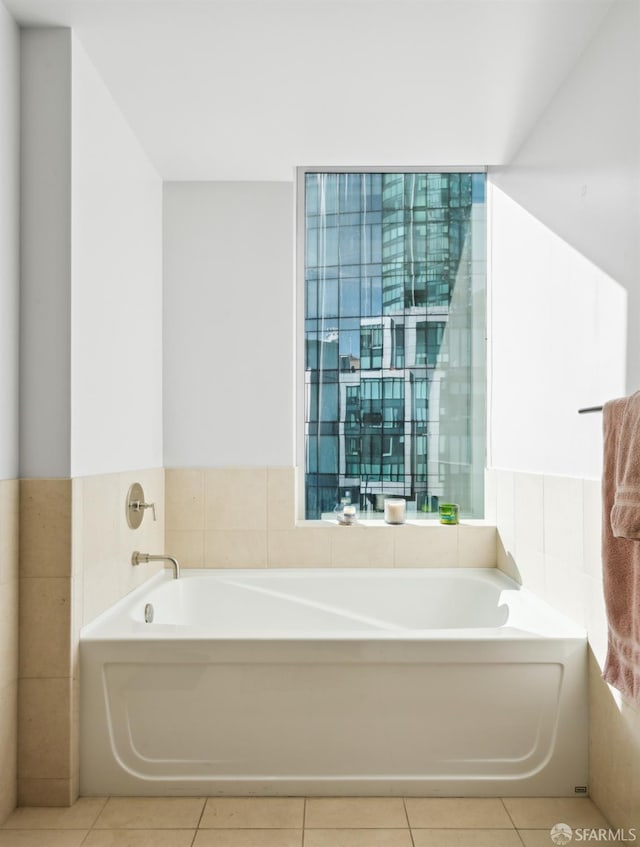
(621,553)
(625,513)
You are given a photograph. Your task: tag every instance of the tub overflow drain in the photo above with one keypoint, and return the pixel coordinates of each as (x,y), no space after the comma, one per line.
(148,613)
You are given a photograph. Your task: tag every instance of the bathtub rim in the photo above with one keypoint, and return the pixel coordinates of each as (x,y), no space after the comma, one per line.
(100,629)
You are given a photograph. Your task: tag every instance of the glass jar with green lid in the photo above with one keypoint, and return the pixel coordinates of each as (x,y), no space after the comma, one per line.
(448,513)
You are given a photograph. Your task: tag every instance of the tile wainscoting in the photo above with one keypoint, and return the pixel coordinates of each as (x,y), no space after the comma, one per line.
(245,517)
(9,532)
(75,561)
(549,530)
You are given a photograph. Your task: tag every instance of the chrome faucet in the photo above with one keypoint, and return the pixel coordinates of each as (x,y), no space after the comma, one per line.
(139,558)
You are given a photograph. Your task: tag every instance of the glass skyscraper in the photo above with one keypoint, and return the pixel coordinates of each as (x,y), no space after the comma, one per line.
(395,282)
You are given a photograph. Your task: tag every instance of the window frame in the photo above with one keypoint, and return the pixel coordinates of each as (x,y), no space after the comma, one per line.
(299,294)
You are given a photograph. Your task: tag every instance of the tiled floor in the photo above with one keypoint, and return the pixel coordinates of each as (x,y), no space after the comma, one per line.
(298,822)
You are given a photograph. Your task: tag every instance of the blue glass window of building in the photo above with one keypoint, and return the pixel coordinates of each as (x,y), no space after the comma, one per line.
(395,353)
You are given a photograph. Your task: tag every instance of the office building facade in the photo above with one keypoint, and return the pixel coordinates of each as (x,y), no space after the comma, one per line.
(395,294)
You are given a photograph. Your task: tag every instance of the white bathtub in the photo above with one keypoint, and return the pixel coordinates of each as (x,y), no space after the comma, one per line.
(435,682)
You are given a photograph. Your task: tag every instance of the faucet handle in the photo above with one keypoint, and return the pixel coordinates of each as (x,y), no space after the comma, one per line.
(136,506)
(139,506)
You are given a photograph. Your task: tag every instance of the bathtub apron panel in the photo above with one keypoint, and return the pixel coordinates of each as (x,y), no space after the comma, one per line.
(395,710)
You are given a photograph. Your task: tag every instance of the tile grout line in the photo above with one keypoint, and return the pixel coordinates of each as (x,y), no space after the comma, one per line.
(204,806)
(304,822)
(97,817)
(406,812)
(87,834)
(513,823)
(521,839)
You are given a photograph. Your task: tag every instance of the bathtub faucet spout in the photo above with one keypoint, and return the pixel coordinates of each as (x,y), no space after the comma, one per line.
(139,558)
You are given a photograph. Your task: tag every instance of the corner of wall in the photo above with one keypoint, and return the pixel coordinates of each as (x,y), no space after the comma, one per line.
(47,761)
(9,532)
(9,407)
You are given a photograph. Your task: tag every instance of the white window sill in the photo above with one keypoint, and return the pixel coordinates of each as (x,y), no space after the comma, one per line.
(379,522)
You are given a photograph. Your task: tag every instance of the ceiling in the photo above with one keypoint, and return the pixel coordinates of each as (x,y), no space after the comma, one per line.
(248,89)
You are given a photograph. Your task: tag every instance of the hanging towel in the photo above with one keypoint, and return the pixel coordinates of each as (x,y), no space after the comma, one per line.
(625,512)
(621,553)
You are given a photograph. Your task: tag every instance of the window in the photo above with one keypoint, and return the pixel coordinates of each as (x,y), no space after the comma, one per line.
(393,283)
(371,347)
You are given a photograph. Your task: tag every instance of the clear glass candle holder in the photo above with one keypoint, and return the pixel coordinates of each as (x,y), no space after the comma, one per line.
(395,511)
(346,514)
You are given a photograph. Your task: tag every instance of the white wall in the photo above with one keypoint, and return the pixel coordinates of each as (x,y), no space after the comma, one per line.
(565,259)
(91,240)
(228,324)
(565,333)
(45,243)
(565,322)
(116,295)
(557,344)
(9,243)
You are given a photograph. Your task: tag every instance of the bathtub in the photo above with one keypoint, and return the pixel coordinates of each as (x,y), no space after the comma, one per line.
(437,682)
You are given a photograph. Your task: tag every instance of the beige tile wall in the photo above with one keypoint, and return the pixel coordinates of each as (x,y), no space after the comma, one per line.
(549,539)
(47,755)
(75,561)
(245,517)
(615,751)
(9,530)
(76,550)
(103,542)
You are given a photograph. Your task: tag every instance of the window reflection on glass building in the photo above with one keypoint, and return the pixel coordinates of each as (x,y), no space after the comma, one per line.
(395,281)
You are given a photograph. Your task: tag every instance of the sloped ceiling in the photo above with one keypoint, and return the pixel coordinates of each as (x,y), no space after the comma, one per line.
(248,89)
